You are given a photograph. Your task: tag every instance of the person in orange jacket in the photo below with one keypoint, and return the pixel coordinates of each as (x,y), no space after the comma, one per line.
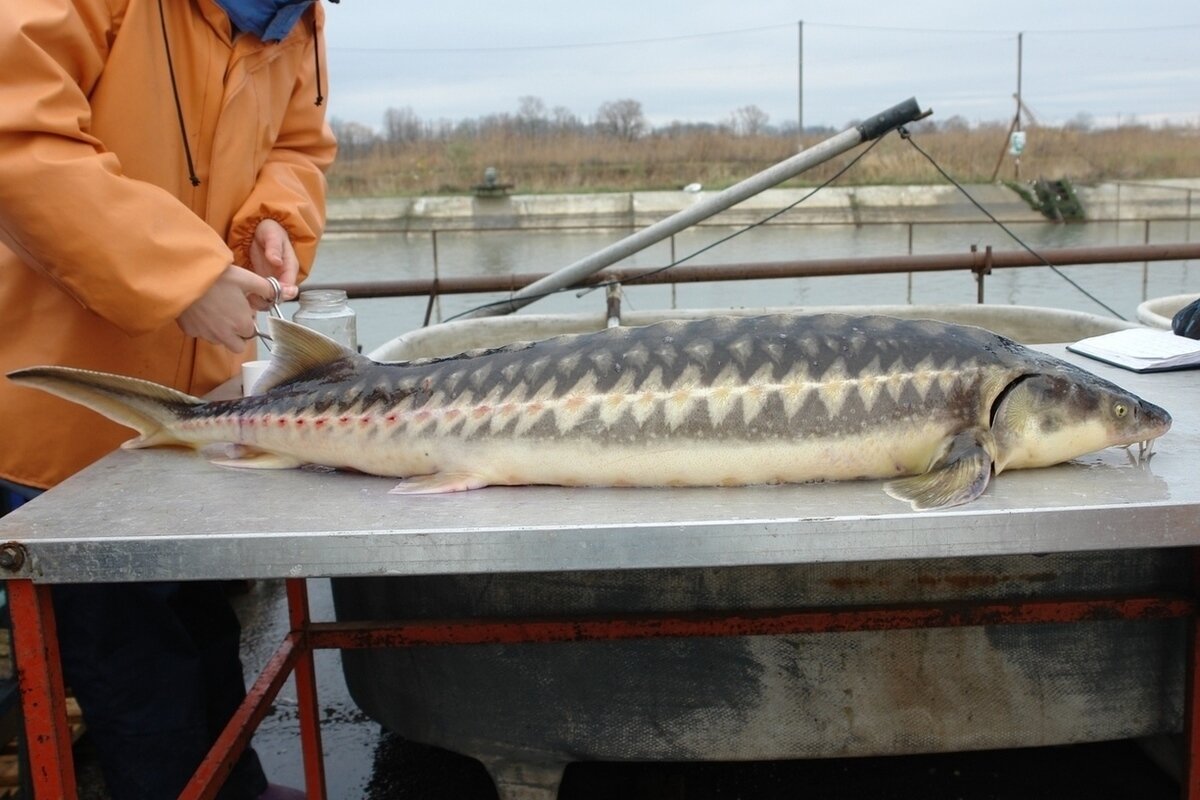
(159,161)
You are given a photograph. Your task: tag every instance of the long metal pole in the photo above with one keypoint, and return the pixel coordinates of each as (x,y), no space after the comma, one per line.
(800,80)
(570,275)
(1020,107)
(1020,60)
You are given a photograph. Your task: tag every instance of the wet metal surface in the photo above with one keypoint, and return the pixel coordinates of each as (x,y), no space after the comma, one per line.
(165,514)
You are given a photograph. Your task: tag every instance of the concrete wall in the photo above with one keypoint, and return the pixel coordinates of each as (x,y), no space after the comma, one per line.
(834,204)
(850,204)
(1141,199)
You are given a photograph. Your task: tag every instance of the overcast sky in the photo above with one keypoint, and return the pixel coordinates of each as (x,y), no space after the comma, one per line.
(701,60)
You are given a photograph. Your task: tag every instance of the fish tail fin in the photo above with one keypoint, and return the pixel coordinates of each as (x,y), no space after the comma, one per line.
(149,408)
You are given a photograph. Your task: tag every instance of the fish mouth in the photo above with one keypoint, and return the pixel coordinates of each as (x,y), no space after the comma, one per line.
(1156,422)
(1145,451)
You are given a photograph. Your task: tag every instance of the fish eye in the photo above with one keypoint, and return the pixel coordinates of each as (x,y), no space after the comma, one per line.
(1120,409)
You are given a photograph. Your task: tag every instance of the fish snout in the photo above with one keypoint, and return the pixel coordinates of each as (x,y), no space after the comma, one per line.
(1153,420)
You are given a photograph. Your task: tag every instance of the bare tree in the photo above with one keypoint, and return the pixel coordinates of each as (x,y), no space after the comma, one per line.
(564,119)
(957,123)
(353,138)
(750,120)
(401,125)
(622,118)
(1083,122)
(531,115)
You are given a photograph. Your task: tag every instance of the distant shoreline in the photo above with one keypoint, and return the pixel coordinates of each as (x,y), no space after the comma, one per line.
(1170,198)
(549,162)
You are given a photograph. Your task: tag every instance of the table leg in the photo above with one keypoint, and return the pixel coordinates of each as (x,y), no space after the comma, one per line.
(1191,698)
(43,698)
(306,691)
(1191,714)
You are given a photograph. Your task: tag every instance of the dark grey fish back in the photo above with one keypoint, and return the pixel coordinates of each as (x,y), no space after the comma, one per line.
(734,352)
(787,343)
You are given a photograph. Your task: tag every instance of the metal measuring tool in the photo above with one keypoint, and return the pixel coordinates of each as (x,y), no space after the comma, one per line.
(274,311)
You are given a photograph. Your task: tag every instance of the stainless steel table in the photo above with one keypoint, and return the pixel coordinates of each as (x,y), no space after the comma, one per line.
(167,514)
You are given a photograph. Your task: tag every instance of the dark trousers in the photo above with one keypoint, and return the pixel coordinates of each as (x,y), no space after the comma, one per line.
(157,672)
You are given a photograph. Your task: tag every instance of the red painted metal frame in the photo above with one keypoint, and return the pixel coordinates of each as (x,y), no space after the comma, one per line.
(216,767)
(295,655)
(43,698)
(306,692)
(45,710)
(352,635)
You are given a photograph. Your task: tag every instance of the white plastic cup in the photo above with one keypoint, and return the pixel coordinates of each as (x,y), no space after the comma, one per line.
(251,372)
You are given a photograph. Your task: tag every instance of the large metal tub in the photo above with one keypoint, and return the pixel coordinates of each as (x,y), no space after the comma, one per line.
(1158,311)
(526,711)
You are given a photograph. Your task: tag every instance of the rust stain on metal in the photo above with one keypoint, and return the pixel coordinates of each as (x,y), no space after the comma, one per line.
(846,584)
(757,623)
(983,580)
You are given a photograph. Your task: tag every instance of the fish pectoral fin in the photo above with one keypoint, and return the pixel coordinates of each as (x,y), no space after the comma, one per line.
(440,483)
(242,457)
(960,477)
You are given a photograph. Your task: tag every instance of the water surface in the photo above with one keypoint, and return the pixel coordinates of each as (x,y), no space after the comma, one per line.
(413,255)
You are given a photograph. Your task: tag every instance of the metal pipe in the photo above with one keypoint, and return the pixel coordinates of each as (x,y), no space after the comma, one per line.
(574,274)
(392,226)
(812,268)
(767,622)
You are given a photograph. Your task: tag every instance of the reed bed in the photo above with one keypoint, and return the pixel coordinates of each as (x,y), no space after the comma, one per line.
(587,161)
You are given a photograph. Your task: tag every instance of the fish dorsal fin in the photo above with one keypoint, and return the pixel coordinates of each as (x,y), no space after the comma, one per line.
(295,350)
(958,477)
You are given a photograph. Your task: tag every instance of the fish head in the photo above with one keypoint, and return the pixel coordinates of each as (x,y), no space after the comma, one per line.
(1064,412)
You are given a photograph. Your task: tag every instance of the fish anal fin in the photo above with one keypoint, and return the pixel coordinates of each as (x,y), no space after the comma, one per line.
(959,477)
(242,457)
(440,483)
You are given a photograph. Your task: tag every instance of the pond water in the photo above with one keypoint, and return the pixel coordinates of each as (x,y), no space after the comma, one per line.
(347,257)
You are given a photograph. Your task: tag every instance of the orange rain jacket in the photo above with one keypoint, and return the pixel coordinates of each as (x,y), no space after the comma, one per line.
(103,239)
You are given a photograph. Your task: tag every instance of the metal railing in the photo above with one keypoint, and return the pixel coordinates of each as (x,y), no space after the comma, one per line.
(979,261)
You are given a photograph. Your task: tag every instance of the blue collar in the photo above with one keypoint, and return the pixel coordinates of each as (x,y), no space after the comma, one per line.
(269,20)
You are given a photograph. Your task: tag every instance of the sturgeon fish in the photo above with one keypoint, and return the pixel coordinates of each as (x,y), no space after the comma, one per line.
(933,407)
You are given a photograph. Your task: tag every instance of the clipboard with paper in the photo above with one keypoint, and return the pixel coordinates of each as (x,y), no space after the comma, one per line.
(1141,350)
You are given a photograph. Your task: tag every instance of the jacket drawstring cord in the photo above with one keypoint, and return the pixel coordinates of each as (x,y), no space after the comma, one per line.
(316,59)
(187,149)
(317,55)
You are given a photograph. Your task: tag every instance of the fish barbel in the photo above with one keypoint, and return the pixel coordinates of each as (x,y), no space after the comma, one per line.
(933,407)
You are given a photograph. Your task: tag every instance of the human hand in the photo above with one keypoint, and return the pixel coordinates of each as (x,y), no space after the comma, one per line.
(272,255)
(1186,321)
(224,315)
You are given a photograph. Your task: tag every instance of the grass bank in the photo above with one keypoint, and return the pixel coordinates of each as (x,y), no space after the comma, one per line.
(589,162)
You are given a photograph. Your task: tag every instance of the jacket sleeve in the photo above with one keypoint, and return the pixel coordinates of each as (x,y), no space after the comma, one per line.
(291,184)
(125,249)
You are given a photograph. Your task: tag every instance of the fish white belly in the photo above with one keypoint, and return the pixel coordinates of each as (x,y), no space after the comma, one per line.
(582,462)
